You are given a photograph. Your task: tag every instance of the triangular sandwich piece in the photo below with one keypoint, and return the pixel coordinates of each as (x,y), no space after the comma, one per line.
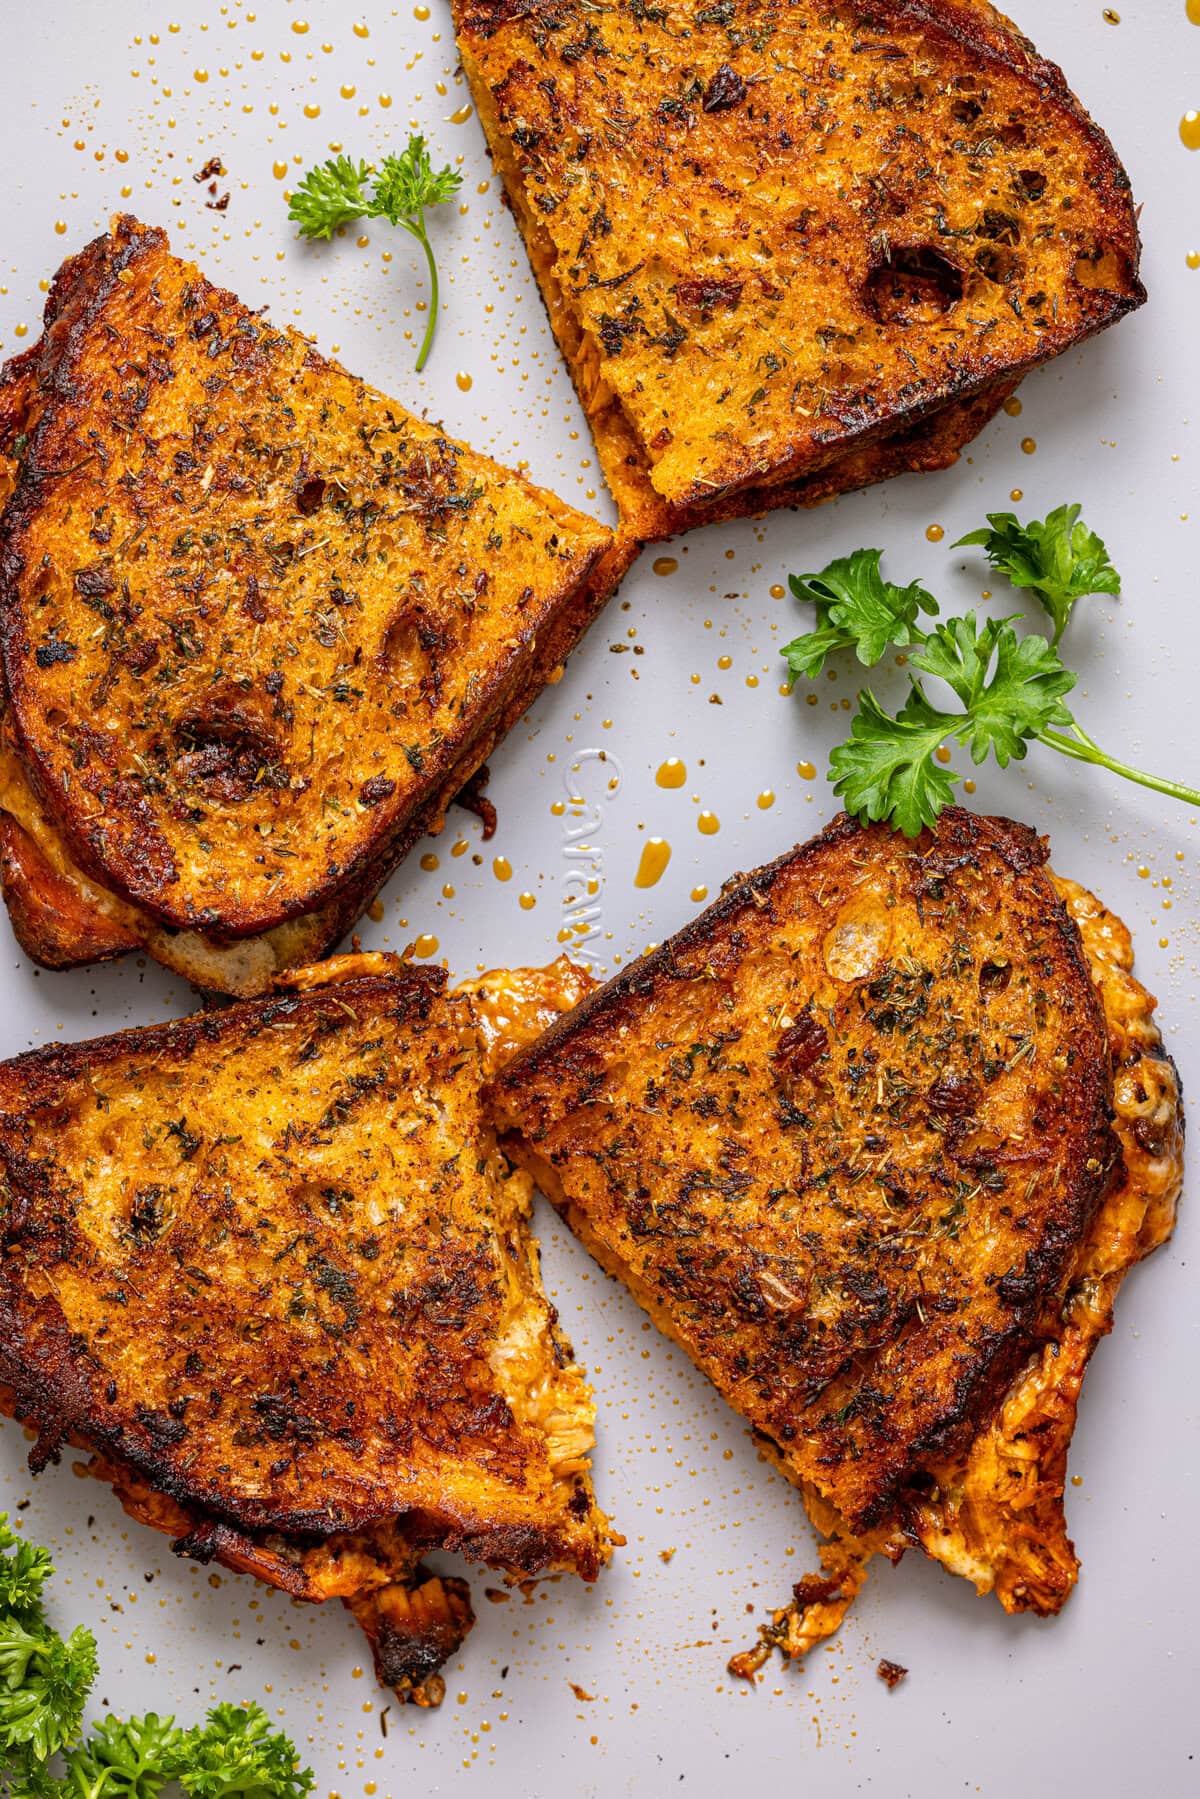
(775,241)
(268,1265)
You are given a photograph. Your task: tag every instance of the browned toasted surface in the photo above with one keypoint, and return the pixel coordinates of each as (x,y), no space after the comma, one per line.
(766,233)
(842,1136)
(268,1260)
(255,615)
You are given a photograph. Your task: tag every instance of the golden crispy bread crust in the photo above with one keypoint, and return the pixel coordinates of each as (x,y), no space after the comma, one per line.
(255,617)
(267,1260)
(842,1135)
(766,237)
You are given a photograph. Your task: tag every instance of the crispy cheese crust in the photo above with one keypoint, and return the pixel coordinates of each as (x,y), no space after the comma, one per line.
(768,235)
(268,1264)
(842,1136)
(259,623)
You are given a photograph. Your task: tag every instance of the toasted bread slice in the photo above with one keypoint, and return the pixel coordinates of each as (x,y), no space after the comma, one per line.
(259,623)
(842,1135)
(767,239)
(268,1264)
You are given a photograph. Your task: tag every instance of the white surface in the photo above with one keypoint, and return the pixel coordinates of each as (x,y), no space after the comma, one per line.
(1101,1699)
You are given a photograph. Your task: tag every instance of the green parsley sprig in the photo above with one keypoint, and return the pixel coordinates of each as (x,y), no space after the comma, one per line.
(44,1685)
(339,191)
(1010,689)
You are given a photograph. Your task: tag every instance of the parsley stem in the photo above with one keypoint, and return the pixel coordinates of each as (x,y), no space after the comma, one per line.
(417,229)
(1084,750)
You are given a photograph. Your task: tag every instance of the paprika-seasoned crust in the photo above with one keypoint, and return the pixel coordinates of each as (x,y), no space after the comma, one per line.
(841,1136)
(255,617)
(766,236)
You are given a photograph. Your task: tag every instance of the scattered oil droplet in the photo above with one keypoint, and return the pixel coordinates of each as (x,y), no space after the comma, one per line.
(968,786)
(708,824)
(766,799)
(1193,259)
(375,911)
(777,590)
(312,110)
(425,945)
(421,12)
(1029,445)
(724,661)
(462,115)
(699,893)
(1189,130)
(200,74)
(672,773)
(20,330)
(1193,12)
(463,381)
(300,26)
(558,808)
(1111,17)
(385,100)
(1013,406)
(60,225)
(664,565)
(502,868)
(935,533)
(942,753)
(655,856)
(347,90)
(429,862)
(806,770)
(279,170)
(1163,942)
(1143,874)
(362,31)
(527,902)
(1016,493)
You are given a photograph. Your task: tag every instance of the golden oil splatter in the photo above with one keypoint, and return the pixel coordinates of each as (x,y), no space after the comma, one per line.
(778,590)
(502,868)
(312,110)
(1189,130)
(942,753)
(724,661)
(1016,493)
(708,824)
(425,945)
(347,90)
(527,902)
(462,115)
(806,770)
(1110,17)
(655,856)
(766,799)
(1013,407)
(385,100)
(430,862)
(1193,12)
(375,911)
(463,381)
(362,31)
(1193,259)
(671,773)
(300,27)
(60,225)
(279,170)
(421,13)
(20,330)
(558,808)
(1143,874)
(968,786)
(664,565)
(1029,445)
(935,533)
(699,893)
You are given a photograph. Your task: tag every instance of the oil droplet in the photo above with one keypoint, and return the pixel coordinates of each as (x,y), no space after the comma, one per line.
(766,799)
(279,170)
(425,946)
(1163,942)
(1143,874)
(655,856)
(806,770)
(300,26)
(312,110)
(375,911)
(1189,130)
(1029,445)
(1013,406)
(968,786)
(385,100)
(1193,259)
(20,330)
(942,753)
(724,661)
(699,893)
(347,90)
(664,565)
(777,590)
(463,381)
(201,74)
(708,824)
(60,225)
(1193,11)
(362,31)
(429,862)
(935,533)
(463,114)
(1111,17)
(673,773)
(502,868)
(558,808)
(1016,493)
(527,902)
(421,12)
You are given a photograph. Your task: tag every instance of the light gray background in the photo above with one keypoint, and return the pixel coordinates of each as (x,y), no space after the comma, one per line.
(1102,1698)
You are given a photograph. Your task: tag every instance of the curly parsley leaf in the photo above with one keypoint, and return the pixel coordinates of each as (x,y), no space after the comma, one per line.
(888,768)
(1011,687)
(23,1574)
(857,609)
(44,1684)
(1059,557)
(335,193)
(235,1754)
